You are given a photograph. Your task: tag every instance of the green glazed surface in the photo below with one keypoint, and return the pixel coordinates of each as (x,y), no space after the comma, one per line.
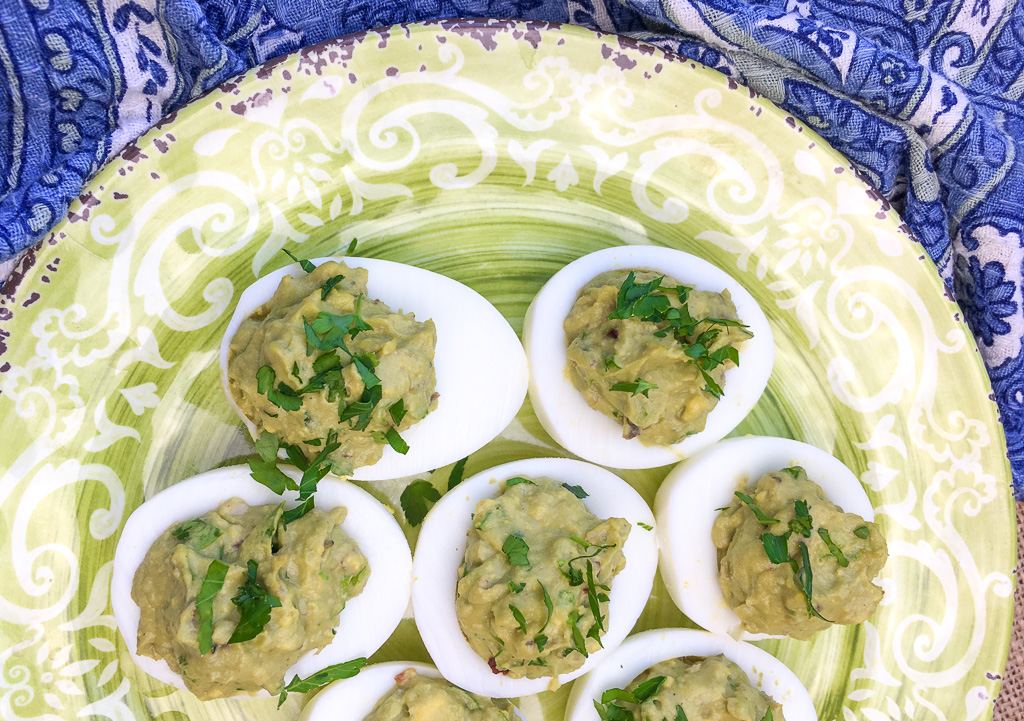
(493,153)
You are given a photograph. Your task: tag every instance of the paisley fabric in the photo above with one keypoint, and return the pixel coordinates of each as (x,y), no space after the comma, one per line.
(924,96)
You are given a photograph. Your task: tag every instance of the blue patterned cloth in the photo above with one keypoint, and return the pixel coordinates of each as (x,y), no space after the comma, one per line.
(924,96)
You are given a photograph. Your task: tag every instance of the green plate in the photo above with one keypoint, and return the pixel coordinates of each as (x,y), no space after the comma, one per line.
(494,153)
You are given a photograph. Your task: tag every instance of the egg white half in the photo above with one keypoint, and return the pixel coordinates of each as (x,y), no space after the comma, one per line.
(686,508)
(638,653)
(479,362)
(589,433)
(442,546)
(352,699)
(367,620)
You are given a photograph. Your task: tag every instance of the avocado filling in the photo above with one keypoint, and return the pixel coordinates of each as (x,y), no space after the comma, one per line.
(791,562)
(652,353)
(690,689)
(321,356)
(532,596)
(232,599)
(422,698)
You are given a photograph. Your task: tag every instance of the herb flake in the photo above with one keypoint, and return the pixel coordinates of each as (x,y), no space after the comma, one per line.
(197,533)
(517,551)
(213,581)
(576,491)
(323,677)
(328,286)
(836,552)
(777,547)
(637,387)
(416,500)
(761,517)
(254,604)
(304,264)
(455,477)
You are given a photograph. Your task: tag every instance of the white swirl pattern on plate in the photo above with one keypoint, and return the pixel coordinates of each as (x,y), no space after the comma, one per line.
(934,469)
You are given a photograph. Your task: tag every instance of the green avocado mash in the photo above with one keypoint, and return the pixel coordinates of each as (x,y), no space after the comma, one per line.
(320,356)
(281,591)
(532,597)
(651,353)
(422,698)
(798,563)
(694,689)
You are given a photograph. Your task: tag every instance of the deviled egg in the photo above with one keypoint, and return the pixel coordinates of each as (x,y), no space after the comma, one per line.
(475,378)
(704,371)
(696,492)
(354,699)
(645,650)
(529,605)
(374,596)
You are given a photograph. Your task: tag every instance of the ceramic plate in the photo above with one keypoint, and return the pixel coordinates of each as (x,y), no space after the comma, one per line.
(493,153)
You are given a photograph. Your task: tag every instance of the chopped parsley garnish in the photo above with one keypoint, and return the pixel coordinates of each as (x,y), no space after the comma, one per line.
(416,500)
(802,523)
(649,303)
(216,572)
(480,526)
(305,264)
(393,439)
(321,678)
(793,471)
(575,575)
(265,470)
(862,532)
(327,362)
(609,710)
(295,372)
(594,600)
(547,604)
(637,387)
(517,480)
(254,604)
(576,491)
(777,547)
(455,477)
(644,526)
(579,643)
(317,468)
(397,411)
(648,688)
(365,364)
(283,396)
(580,542)
(298,512)
(805,580)
(768,715)
(610,364)
(295,456)
(197,533)
(352,580)
(833,548)
(329,286)
(638,299)
(516,549)
(540,640)
(681,715)
(520,619)
(516,587)
(358,324)
(761,517)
